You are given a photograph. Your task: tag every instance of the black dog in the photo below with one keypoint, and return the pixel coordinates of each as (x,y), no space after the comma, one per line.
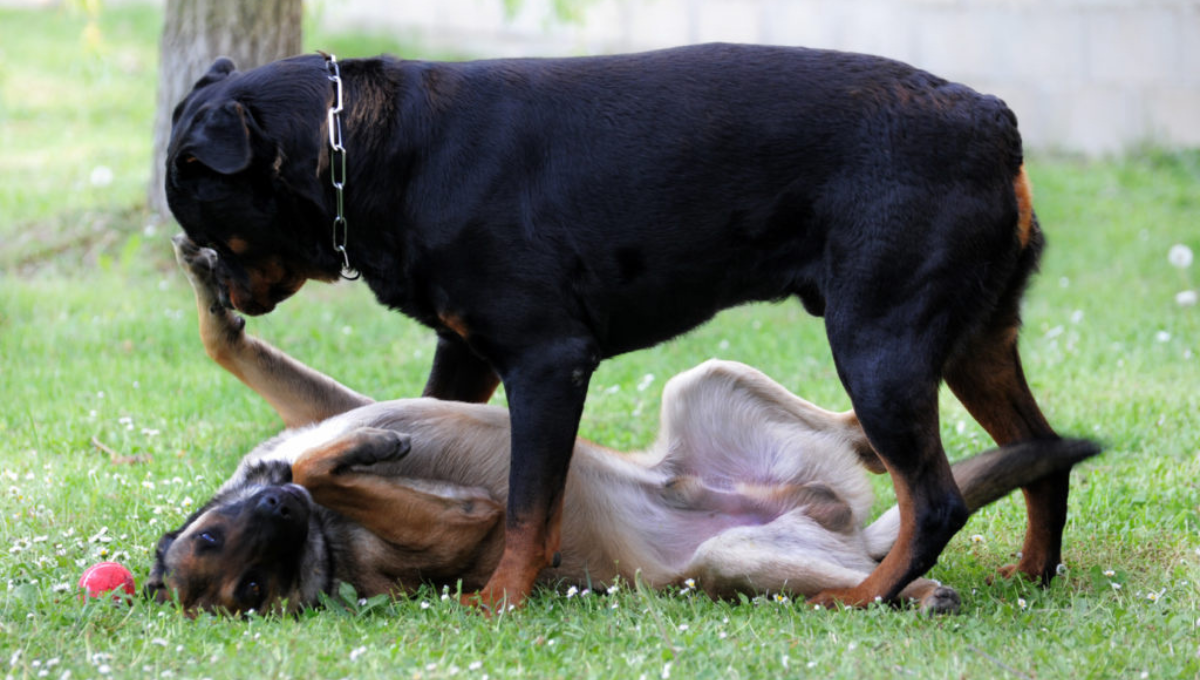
(543,215)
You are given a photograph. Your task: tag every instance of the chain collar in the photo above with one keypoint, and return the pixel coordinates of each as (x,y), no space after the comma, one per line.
(337,167)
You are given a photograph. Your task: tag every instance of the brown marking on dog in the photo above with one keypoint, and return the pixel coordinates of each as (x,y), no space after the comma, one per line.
(269,281)
(524,557)
(1024,192)
(455,323)
(238,245)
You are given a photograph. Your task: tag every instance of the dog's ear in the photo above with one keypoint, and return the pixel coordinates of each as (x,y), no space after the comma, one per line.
(219,70)
(219,137)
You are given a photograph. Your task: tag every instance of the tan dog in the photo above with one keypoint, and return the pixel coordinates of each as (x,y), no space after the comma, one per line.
(749,489)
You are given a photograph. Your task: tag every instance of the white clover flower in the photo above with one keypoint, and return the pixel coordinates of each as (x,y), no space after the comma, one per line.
(1180,256)
(101,176)
(475,665)
(1022,603)
(977,538)
(425,605)
(1186,298)
(1162,336)
(572,592)
(357,652)
(1110,573)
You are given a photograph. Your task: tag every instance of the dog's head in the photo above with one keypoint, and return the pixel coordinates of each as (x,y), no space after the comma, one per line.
(243,172)
(258,545)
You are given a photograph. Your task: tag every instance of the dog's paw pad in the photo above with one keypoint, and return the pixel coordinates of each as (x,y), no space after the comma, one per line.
(378,446)
(199,263)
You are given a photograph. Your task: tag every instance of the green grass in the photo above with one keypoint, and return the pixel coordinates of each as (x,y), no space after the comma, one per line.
(114,425)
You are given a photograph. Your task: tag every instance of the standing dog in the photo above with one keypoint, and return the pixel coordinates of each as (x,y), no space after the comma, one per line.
(545,214)
(749,489)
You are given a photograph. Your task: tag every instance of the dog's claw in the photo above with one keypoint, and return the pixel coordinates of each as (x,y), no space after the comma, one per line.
(943,600)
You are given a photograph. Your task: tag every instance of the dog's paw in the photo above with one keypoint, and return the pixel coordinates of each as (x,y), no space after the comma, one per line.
(374,445)
(200,266)
(198,263)
(941,600)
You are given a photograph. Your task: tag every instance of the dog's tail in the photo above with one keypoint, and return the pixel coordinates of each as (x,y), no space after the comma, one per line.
(989,477)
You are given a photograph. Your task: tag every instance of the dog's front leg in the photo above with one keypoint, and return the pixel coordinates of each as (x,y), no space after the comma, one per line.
(459,374)
(441,523)
(546,389)
(299,394)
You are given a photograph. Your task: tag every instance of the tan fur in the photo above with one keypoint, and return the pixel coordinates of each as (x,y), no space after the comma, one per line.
(1023,189)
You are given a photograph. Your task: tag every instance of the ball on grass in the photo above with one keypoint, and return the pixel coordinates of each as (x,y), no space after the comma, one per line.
(107,577)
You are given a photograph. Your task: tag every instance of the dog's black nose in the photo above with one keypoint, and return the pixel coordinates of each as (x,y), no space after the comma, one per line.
(273,503)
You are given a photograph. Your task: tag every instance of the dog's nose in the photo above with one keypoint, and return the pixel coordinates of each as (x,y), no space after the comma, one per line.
(273,503)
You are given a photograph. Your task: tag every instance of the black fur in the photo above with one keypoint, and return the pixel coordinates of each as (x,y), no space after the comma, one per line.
(543,215)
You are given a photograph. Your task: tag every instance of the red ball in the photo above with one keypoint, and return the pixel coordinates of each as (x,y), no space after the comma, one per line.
(106,577)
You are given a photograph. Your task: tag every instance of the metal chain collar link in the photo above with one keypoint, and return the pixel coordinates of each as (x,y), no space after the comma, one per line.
(337,168)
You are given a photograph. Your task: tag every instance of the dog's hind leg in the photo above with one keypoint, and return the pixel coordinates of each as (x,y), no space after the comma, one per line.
(299,394)
(988,379)
(797,556)
(890,329)
(898,411)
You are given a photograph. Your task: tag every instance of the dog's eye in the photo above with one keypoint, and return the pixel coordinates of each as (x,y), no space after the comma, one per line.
(208,539)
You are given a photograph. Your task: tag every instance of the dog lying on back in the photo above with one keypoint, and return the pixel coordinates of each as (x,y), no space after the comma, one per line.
(748,489)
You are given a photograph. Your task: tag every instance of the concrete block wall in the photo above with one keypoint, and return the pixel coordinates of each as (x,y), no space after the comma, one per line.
(1089,76)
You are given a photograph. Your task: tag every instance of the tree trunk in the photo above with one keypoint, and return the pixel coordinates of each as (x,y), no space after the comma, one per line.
(196,32)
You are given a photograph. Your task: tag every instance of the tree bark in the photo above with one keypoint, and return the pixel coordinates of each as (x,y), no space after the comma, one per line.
(196,32)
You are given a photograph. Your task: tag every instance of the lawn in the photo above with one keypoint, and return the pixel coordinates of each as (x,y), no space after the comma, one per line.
(115,425)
